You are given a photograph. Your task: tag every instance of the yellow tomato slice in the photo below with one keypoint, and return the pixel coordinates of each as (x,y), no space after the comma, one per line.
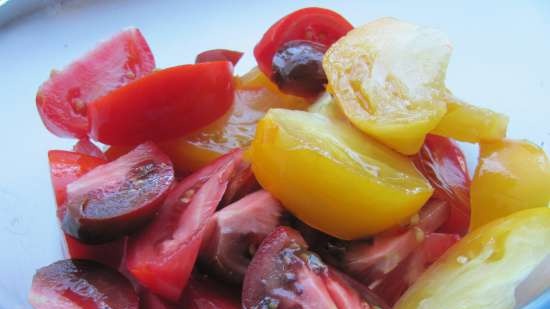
(333,177)
(486,268)
(468,123)
(254,96)
(388,77)
(510,176)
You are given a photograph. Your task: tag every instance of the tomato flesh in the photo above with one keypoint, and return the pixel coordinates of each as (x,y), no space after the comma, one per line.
(116,198)
(219,55)
(81,284)
(442,162)
(165,104)
(235,232)
(312,24)
(162,255)
(62,99)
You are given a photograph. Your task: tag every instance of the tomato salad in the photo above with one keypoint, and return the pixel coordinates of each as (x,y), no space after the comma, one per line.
(329,176)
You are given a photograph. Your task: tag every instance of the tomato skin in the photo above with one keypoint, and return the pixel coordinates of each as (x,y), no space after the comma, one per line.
(81,284)
(442,162)
(62,99)
(167,103)
(162,255)
(219,55)
(313,24)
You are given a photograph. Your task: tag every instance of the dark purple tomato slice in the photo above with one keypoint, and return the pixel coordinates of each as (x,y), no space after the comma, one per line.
(70,284)
(163,254)
(283,274)
(118,197)
(298,68)
(235,232)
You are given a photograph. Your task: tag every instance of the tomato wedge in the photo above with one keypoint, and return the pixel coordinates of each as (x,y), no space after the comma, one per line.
(284,275)
(372,261)
(313,24)
(394,284)
(81,284)
(219,55)
(116,198)
(442,162)
(62,99)
(166,103)
(162,255)
(235,232)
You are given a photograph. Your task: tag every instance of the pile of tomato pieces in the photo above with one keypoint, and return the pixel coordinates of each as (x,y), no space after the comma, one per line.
(148,226)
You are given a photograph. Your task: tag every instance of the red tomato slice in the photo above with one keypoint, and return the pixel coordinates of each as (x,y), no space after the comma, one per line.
(235,232)
(313,24)
(85,146)
(391,287)
(66,167)
(62,99)
(118,197)
(164,104)
(284,275)
(241,183)
(443,164)
(162,255)
(203,293)
(219,55)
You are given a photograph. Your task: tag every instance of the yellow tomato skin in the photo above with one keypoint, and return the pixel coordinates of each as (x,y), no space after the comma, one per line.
(510,176)
(333,177)
(468,123)
(388,77)
(483,270)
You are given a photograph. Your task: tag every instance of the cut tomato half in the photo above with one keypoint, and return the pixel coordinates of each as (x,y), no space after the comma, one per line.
(312,24)
(162,255)
(62,99)
(118,197)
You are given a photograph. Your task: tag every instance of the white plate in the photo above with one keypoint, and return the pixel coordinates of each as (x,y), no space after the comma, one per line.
(501,61)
